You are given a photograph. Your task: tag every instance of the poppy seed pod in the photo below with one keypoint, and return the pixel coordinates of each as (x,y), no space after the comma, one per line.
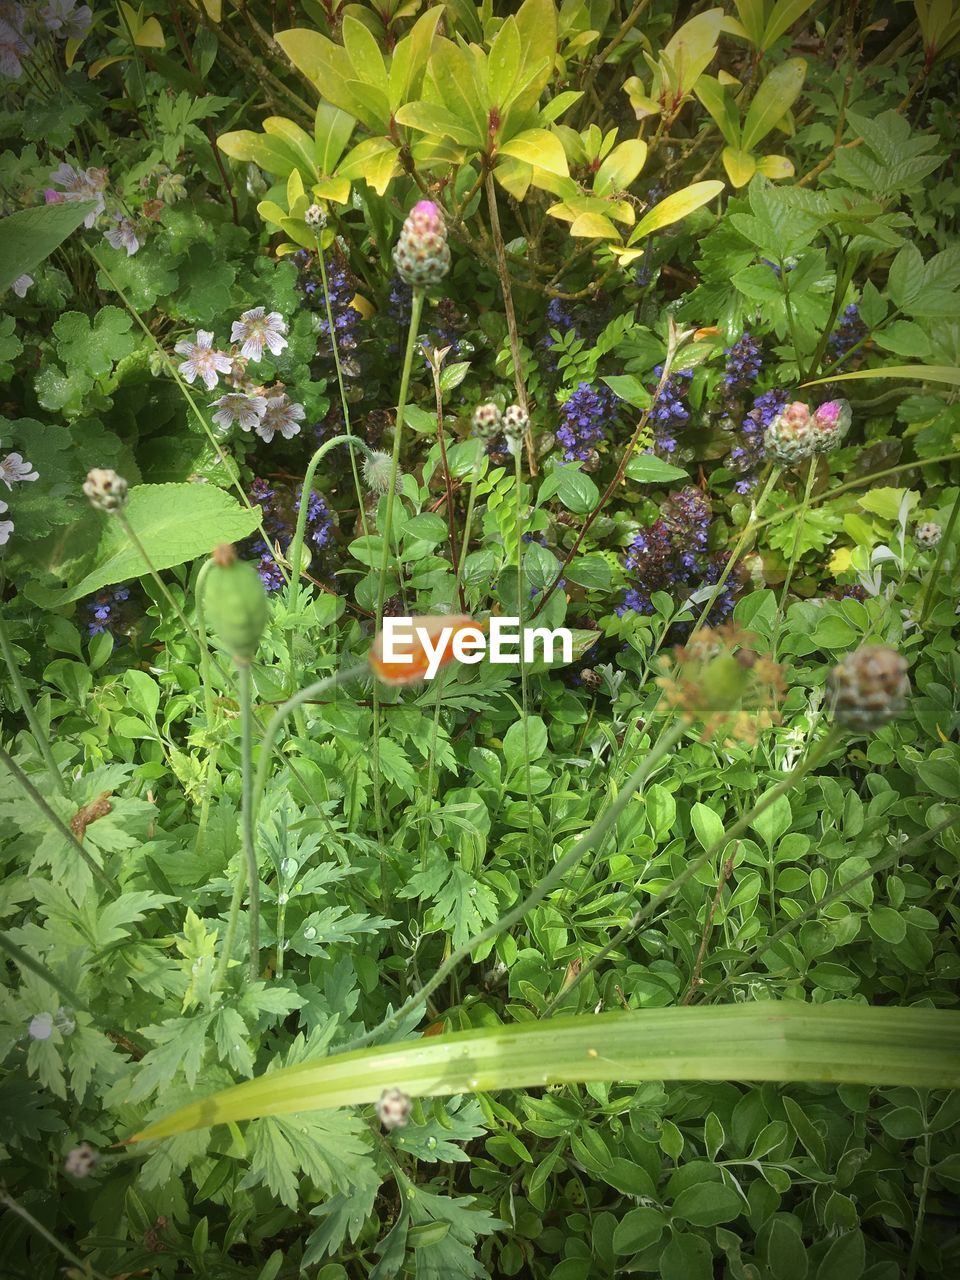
(235,604)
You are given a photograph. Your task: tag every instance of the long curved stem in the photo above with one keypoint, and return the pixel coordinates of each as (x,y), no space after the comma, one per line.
(521,610)
(794,550)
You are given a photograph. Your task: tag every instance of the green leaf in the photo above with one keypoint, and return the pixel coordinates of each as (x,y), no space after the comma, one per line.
(706,1204)
(914,372)
(621,167)
(29,236)
(785,13)
(776,95)
(677,205)
(175,523)
(786,1256)
(540,148)
(647,468)
(638,1229)
(577,491)
(740,165)
(839,1042)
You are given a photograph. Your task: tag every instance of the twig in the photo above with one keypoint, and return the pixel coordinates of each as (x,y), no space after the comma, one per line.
(726,871)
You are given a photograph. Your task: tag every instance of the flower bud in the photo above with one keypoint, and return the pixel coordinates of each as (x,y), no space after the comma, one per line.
(830,424)
(393,1109)
(106,490)
(235,604)
(869,688)
(315,216)
(81,1161)
(487,421)
(790,437)
(515,422)
(927,535)
(422,255)
(377,470)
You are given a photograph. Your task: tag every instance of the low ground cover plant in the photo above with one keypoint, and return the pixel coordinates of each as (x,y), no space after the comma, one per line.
(636,325)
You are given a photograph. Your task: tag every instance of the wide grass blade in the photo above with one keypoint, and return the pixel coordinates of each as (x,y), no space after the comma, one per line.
(839,1043)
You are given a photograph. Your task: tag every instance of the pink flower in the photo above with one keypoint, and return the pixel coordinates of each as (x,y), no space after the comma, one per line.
(123,236)
(202,361)
(86,184)
(281,415)
(236,406)
(13,470)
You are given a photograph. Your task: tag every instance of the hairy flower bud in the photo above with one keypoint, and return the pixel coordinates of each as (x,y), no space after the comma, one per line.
(830,424)
(393,1109)
(927,535)
(106,490)
(315,216)
(377,468)
(791,436)
(81,1161)
(487,421)
(235,604)
(515,422)
(422,255)
(869,688)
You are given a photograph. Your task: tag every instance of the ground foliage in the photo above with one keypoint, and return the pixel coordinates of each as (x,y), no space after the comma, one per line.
(827,245)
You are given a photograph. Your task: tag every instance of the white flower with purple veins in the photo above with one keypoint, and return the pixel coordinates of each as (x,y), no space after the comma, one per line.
(202,361)
(6,526)
(123,235)
(21,285)
(282,415)
(13,470)
(238,407)
(255,329)
(13,45)
(64,18)
(87,184)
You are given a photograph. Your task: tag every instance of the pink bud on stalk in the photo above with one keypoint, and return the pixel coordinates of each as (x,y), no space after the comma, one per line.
(422,255)
(830,424)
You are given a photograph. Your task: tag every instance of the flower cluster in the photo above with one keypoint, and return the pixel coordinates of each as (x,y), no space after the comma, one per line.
(671,555)
(669,413)
(583,416)
(106,612)
(796,433)
(342,291)
(743,365)
(849,332)
(266,410)
(746,457)
(13,470)
(279,515)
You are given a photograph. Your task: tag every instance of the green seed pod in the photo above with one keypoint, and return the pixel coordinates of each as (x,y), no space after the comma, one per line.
(235,604)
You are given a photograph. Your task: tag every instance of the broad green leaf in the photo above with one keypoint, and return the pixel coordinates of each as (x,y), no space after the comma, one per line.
(620,167)
(453,86)
(331,133)
(364,52)
(503,63)
(647,468)
(740,166)
(410,58)
(775,167)
(375,160)
(785,14)
(721,108)
(175,523)
(594,226)
(431,118)
(31,235)
(540,148)
(752,14)
(537,26)
(270,154)
(773,100)
(299,142)
(838,1042)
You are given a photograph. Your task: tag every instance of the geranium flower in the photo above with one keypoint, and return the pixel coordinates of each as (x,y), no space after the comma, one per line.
(13,46)
(123,235)
(6,526)
(13,470)
(65,19)
(87,184)
(238,407)
(202,361)
(281,415)
(255,329)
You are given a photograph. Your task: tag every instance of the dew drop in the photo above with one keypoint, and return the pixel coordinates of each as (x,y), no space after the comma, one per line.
(431,1143)
(288,867)
(282,899)
(310,933)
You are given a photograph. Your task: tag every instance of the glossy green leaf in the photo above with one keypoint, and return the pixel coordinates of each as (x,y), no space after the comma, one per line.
(677,205)
(540,148)
(773,100)
(621,167)
(31,235)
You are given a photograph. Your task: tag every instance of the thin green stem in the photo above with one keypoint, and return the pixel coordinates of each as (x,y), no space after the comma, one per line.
(752,524)
(521,611)
(84,1268)
(794,549)
(55,821)
(690,870)
(40,970)
(247,813)
(164,589)
(208,706)
(945,541)
(597,833)
(917,1242)
(335,348)
(26,705)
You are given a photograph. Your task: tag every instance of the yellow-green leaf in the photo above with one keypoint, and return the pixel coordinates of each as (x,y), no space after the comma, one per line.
(740,165)
(620,167)
(374,160)
(775,167)
(335,189)
(331,133)
(675,206)
(297,140)
(773,100)
(540,148)
(914,372)
(514,176)
(150,35)
(271,154)
(594,226)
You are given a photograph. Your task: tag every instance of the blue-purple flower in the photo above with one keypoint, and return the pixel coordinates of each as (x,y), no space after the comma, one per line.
(583,416)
